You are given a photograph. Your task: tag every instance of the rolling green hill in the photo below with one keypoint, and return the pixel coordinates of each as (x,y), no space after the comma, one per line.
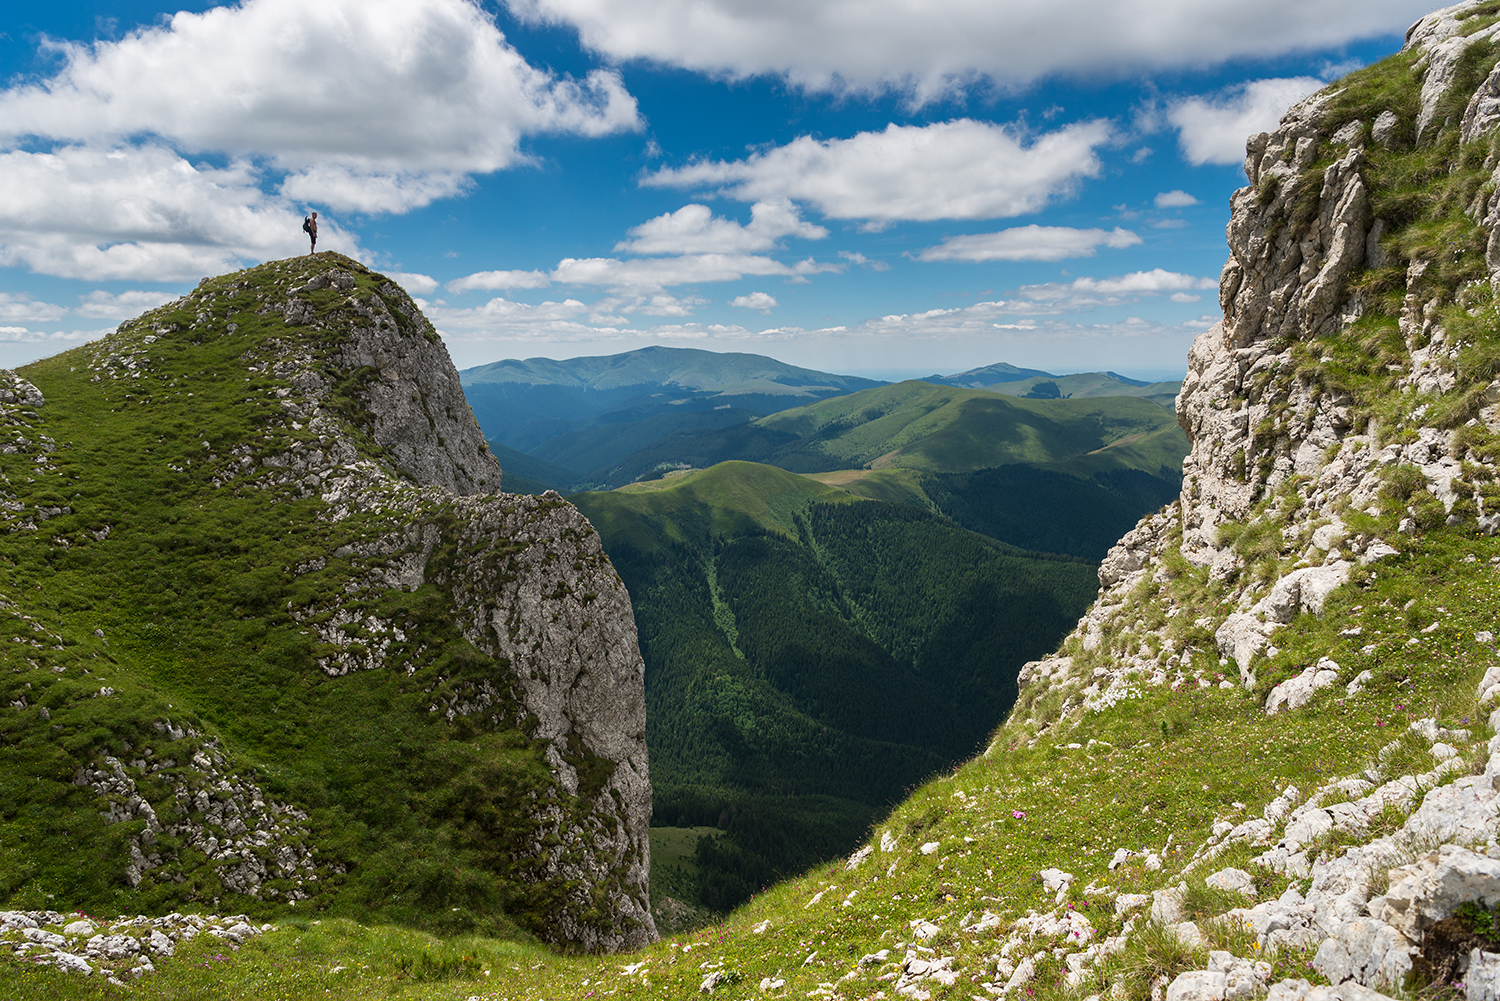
(810,654)
(916,425)
(1012,381)
(1084,385)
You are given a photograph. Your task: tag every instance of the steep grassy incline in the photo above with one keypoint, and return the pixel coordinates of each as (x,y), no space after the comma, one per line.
(811,655)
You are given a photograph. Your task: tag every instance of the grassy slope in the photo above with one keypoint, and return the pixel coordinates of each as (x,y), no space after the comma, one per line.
(728,499)
(917,425)
(1092,384)
(1079,805)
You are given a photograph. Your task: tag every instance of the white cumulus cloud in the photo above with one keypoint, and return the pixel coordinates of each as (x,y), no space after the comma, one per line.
(1155,280)
(415,284)
(1087,293)
(142,213)
(659,272)
(389,86)
(1176,199)
(762,301)
(491,280)
(21,308)
(693,229)
(352,105)
(342,189)
(855,257)
(101,305)
(931,48)
(962,169)
(1213,129)
(1029,243)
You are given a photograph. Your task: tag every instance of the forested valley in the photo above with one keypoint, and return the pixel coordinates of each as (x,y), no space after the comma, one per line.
(805,670)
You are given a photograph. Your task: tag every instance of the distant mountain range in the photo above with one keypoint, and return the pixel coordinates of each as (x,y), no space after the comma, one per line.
(916,425)
(587,414)
(581,421)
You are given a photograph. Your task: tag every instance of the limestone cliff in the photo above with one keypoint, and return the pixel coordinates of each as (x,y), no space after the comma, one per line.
(1343,415)
(373,561)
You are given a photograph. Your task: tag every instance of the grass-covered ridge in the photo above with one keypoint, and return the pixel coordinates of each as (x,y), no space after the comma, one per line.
(175,603)
(922,426)
(1139,786)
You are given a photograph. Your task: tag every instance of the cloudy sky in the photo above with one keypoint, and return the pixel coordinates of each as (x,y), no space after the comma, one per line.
(869,186)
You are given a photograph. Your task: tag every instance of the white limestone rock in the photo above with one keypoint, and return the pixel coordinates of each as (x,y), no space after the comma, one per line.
(1431,888)
(1297,692)
(1303,590)
(1241,638)
(1166,905)
(1384,129)
(1056,881)
(1234,880)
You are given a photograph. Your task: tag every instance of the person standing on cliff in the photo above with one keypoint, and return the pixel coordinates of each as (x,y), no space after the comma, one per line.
(310,227)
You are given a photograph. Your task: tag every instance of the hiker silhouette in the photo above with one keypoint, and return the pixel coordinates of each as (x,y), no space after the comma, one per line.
(310,227)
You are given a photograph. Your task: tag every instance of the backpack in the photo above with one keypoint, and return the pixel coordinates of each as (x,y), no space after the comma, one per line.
(307,224)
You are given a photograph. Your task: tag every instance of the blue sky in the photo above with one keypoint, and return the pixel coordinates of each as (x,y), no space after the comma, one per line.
(882,186)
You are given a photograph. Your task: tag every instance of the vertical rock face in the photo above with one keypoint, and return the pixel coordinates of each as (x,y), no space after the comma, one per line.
(1336,411)
(312,399)
(416,408)
(1345,407)
(560,615)
(1336,301)
(1302,236)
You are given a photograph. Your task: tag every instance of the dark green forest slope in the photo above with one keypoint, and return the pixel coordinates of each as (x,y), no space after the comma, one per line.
(586,415)
(811,655)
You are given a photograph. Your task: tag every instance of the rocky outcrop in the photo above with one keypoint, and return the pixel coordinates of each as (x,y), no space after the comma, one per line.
(1274,439)
(1333,419)
(127,947)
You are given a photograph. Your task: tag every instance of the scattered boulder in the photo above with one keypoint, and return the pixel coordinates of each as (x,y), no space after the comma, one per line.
(1431,888)
(1298,692)
(1056,881)
(1235,880)
(1384,129)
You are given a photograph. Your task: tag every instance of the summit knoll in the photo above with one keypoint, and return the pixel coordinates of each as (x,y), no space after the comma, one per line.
(274,642)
